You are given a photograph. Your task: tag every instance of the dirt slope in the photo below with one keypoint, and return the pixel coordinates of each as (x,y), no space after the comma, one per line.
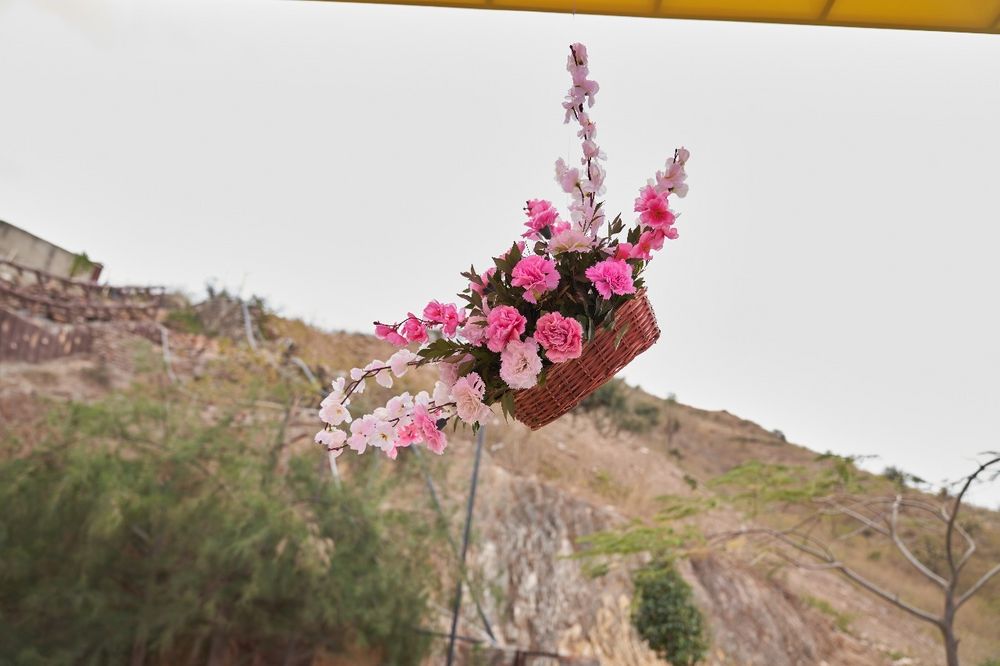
(541,491)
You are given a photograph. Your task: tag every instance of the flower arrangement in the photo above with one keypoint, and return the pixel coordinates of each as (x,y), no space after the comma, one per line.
(539,306)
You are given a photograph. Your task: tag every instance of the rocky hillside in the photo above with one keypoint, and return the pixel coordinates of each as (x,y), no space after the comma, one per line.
(540,493)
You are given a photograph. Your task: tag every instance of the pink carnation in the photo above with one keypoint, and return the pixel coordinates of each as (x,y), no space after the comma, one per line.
(536,275)
(413,329)
(468,392)
(541,214)
(561,337)
(503,325)
(570,240)
(474,331)
(384,332)
(520,364)
(611,276)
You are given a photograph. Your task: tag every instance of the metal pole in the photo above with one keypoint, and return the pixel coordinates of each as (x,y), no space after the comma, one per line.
(465,545)
(454,546)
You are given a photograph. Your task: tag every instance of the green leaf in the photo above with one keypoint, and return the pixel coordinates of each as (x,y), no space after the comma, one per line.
(507,403)
(633,235)
(621,334)
(514,255)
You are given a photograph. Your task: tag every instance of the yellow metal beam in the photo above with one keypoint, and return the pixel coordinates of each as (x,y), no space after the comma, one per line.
(981,16)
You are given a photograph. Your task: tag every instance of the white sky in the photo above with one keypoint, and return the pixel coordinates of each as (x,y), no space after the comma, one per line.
(837,271)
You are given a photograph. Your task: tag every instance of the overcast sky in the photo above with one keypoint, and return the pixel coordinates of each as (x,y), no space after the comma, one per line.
(837,271)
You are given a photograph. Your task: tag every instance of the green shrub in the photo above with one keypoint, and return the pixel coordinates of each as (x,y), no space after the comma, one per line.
(625,412)
(611,396)
(901,478)
(643,417)
(137,532)
(186,320)
(665,616)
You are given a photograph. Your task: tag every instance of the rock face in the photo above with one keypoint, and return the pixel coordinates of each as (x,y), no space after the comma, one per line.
(756,621)
(538,597)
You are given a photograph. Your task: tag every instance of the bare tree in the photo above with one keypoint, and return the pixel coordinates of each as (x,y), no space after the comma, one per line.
(883,515)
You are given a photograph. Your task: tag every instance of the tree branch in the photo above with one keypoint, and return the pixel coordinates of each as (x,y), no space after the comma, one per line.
(954,515)
(822,553)
(902,548)
(977,586)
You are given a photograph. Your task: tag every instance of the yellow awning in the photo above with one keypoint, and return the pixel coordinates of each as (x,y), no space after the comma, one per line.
(946,15)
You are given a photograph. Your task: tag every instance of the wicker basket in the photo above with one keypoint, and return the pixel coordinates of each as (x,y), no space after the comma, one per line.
(567,384)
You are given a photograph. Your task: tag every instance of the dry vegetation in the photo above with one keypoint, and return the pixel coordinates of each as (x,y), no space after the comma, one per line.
(679,455)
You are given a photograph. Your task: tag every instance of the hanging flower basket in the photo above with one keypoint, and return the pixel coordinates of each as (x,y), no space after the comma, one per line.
(558,313)
(567,384)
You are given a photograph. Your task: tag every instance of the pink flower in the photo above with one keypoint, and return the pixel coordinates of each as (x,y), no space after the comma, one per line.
(586,215)
(520,364)
(448,372)
(649,241)
(558,227)
(672,178)
(400,362)
(568,179)
(361,432)
(654,209)
(427,428)
(611,276)
(623,251)
(474,331)
(541,214)
(331,439)
(588,129)
(595,182)
(468,392)
(536,275)
(333,411)
(571,240)
(503,325)
(434,311)
(408,434)
(591,151)
(445,314)
(561,337)
(413,329)
(384,332)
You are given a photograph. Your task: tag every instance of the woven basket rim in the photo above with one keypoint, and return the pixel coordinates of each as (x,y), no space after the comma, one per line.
(567,384)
